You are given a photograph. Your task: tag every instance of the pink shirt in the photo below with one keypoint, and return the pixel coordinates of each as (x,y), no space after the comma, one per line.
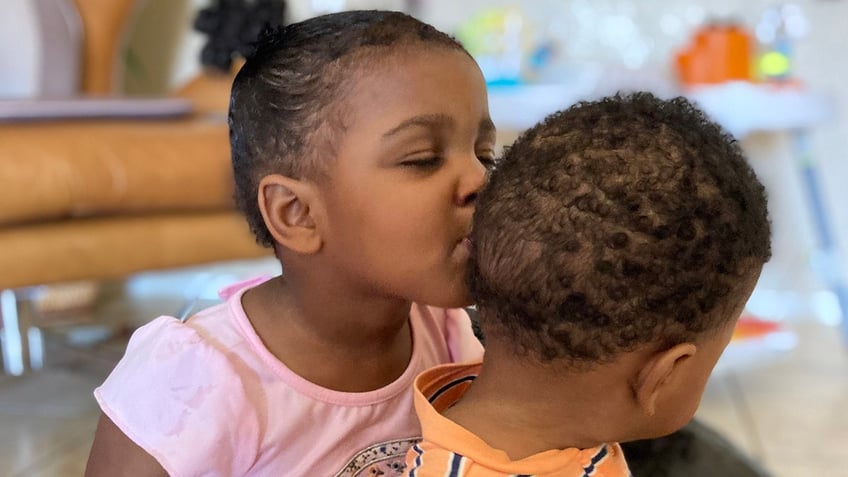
(205,397)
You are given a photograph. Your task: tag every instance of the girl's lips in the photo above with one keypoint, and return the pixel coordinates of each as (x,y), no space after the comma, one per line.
(462,250)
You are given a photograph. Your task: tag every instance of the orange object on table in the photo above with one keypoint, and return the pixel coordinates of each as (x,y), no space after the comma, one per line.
(719,53)
(751,327)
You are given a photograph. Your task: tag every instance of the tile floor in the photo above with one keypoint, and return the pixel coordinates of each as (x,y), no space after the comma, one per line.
(788,410)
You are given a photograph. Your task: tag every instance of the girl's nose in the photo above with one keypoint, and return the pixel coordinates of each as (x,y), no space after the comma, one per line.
(473,179)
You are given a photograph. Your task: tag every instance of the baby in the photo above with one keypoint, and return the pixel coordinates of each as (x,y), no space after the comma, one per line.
(613,251)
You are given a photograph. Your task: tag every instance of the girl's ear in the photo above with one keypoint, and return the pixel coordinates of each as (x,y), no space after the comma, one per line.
(655,377)
(288,207)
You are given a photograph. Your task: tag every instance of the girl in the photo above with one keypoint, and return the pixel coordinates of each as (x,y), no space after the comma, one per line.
(359,142)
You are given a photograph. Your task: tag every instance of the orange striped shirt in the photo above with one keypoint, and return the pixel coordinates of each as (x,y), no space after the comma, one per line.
(449,450)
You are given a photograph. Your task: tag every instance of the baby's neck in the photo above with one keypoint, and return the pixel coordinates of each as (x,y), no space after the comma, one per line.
(524,409)
(349,347)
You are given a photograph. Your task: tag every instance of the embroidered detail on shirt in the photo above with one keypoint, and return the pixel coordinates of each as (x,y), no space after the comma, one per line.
(387,459)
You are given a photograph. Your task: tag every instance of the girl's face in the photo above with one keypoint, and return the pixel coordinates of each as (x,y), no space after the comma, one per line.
(410,162)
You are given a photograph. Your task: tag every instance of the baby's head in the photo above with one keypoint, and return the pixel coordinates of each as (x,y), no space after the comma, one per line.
(629,224)
(356,142)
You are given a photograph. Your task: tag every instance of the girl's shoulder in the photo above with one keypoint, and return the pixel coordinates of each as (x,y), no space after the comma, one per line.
(205,347)
(183,385)
(170,359)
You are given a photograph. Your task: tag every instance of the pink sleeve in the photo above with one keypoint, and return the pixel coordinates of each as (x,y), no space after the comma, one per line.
(182,401)
(462,344)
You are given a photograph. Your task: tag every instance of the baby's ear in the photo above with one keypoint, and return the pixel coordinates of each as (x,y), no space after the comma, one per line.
(288,206)
(659,372)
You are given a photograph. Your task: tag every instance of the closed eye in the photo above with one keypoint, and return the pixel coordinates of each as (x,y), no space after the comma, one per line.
(488,160)
(428,163)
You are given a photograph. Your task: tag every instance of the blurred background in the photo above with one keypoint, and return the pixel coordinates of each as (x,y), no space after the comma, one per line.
(115,197)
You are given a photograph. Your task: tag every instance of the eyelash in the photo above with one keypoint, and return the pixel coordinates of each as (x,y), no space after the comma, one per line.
(428,163)
(489,162)
(431,163)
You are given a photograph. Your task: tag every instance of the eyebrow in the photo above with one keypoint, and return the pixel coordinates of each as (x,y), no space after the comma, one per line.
(487,126)
(425,121)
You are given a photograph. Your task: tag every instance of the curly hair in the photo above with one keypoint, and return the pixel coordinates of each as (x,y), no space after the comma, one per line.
(286,103)
(625,221)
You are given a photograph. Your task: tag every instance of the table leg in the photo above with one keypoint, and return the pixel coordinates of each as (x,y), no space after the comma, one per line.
(828,262)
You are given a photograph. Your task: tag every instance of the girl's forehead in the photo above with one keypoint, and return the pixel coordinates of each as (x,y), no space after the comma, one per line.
(412,71)
(398,59)
(441,91)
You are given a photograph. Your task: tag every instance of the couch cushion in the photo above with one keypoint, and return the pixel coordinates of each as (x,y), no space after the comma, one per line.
(101,248)
(70,169)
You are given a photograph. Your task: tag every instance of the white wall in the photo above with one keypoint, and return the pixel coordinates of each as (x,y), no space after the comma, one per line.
(20,45)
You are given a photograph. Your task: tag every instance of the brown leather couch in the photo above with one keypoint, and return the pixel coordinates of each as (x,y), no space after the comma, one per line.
(101,199)
(98,199)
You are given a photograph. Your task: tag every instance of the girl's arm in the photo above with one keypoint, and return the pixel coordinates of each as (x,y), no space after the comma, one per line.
(113,454)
